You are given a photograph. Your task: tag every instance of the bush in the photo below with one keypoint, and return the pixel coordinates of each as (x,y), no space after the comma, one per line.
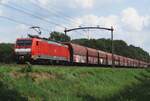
(27,68)
(7,53)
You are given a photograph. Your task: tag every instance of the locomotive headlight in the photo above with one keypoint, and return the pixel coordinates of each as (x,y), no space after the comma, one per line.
(23,50)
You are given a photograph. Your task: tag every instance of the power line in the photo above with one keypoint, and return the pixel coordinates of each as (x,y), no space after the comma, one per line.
(59,14)
(20,22)
(44,8)
(35,16)
(66,17)
(25,9)
(30,14)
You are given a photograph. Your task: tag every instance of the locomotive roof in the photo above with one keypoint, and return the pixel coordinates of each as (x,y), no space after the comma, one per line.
(43,39)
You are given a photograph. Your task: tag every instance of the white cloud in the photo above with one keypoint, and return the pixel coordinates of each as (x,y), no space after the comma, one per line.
(14,32)
(93,20)
(43,2)
(1,12)
(90,20)
(85,3)
(4,1)
(77,23)
(58,28)
(147,21)
(22,30)
(129,25)
(109,21)
(132,20)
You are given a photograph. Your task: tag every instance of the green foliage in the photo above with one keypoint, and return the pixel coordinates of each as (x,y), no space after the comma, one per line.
(60,37)
(120,48)
(7,53)
(75,84)
(27,68)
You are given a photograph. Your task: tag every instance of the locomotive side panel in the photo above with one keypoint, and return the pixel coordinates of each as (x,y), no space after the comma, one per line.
(50,50)
(39,49)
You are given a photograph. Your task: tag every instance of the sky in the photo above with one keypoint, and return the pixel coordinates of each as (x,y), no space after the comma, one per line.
(130,19)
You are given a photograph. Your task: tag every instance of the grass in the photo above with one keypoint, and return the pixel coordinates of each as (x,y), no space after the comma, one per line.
(53,83)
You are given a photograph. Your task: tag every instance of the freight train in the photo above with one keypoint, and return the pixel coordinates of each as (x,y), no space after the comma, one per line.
(42,50)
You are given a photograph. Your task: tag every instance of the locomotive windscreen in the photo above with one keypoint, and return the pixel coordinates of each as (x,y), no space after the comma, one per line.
(24,42)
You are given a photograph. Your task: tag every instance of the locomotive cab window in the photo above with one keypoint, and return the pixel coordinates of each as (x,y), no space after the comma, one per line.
(24,42)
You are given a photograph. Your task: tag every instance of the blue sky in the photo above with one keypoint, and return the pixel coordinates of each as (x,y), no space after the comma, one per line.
(130,18)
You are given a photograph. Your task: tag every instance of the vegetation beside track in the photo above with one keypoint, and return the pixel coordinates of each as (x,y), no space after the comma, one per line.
(53,83)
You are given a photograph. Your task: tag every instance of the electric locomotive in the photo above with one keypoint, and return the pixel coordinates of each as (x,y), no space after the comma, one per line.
(38,49)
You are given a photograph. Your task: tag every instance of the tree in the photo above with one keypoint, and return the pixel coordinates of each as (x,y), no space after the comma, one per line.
(58,36)
(7,53)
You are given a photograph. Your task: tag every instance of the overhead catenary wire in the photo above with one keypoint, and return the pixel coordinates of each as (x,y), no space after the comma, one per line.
(30,14)
(59,14)
(56,12)
(20,22)
(28,10)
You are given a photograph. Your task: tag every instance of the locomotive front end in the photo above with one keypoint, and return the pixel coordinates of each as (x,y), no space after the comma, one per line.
(23,50)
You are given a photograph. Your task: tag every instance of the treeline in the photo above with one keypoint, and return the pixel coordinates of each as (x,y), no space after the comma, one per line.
(7,53)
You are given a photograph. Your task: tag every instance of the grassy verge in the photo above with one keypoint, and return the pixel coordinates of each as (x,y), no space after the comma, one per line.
(53,83)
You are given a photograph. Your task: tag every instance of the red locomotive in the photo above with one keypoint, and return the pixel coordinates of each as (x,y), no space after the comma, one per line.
(33,49)
(41,50)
